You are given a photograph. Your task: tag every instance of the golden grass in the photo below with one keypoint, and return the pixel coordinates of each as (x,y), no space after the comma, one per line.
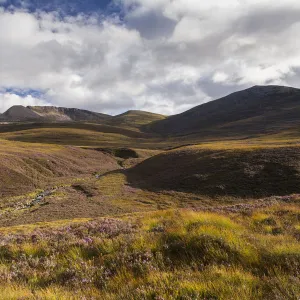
(246,145)
(22,229)
(65,136)
(193,255)
(13,147)
(129,135)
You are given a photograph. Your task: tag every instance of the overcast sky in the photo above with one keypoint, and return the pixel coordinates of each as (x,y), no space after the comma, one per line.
(164,56)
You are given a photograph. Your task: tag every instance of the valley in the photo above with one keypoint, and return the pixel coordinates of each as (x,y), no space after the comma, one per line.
(207,202)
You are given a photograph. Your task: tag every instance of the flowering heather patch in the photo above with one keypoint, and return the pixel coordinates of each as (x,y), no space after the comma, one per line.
(158,255)
(75,232)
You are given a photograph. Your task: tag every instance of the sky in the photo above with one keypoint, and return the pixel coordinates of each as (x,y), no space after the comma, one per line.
(163,56)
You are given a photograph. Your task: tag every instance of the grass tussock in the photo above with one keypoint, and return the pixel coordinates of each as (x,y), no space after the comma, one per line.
(172,254)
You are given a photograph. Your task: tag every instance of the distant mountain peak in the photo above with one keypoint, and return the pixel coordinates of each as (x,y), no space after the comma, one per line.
(20,113)
(257,108)
(138,112)
(270,89)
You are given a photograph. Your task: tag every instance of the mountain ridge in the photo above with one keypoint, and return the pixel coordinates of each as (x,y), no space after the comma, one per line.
(19,113)
(54,113)
(257,109)
(269,104)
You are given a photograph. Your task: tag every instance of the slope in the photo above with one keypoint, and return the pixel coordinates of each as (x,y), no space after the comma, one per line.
(75,133)
(257,110)
(58,114)
(238,171)
(25,167)
(20,113)
(134,119)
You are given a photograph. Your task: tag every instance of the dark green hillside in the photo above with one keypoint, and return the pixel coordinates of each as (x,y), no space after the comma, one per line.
(246,173)
(257,110)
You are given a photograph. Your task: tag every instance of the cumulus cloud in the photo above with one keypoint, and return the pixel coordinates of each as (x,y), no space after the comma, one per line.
(163,56)
(7,100)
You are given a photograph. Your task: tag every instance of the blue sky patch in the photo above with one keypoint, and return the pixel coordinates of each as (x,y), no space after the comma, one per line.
(64,6)
(25,92)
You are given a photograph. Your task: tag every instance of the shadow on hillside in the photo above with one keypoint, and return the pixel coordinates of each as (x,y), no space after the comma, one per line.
(239,173)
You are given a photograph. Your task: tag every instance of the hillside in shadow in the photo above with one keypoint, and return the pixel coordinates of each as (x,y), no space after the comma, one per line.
(243,173)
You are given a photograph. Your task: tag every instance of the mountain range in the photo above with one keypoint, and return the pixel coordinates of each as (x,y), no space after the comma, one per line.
(254,110)
(19,113)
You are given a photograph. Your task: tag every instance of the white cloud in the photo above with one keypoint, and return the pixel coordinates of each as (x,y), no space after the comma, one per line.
(220,77)
(8,99)
(198,48)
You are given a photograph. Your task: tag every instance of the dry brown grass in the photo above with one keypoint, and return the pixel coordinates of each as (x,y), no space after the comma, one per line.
(25,167)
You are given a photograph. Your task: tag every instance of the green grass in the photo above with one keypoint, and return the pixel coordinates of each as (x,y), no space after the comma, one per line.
(66,136)
(171,254)
(125,131)
(136,120)
(12,147)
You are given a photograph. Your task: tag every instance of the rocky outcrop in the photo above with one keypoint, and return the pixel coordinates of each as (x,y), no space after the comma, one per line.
(62,114)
